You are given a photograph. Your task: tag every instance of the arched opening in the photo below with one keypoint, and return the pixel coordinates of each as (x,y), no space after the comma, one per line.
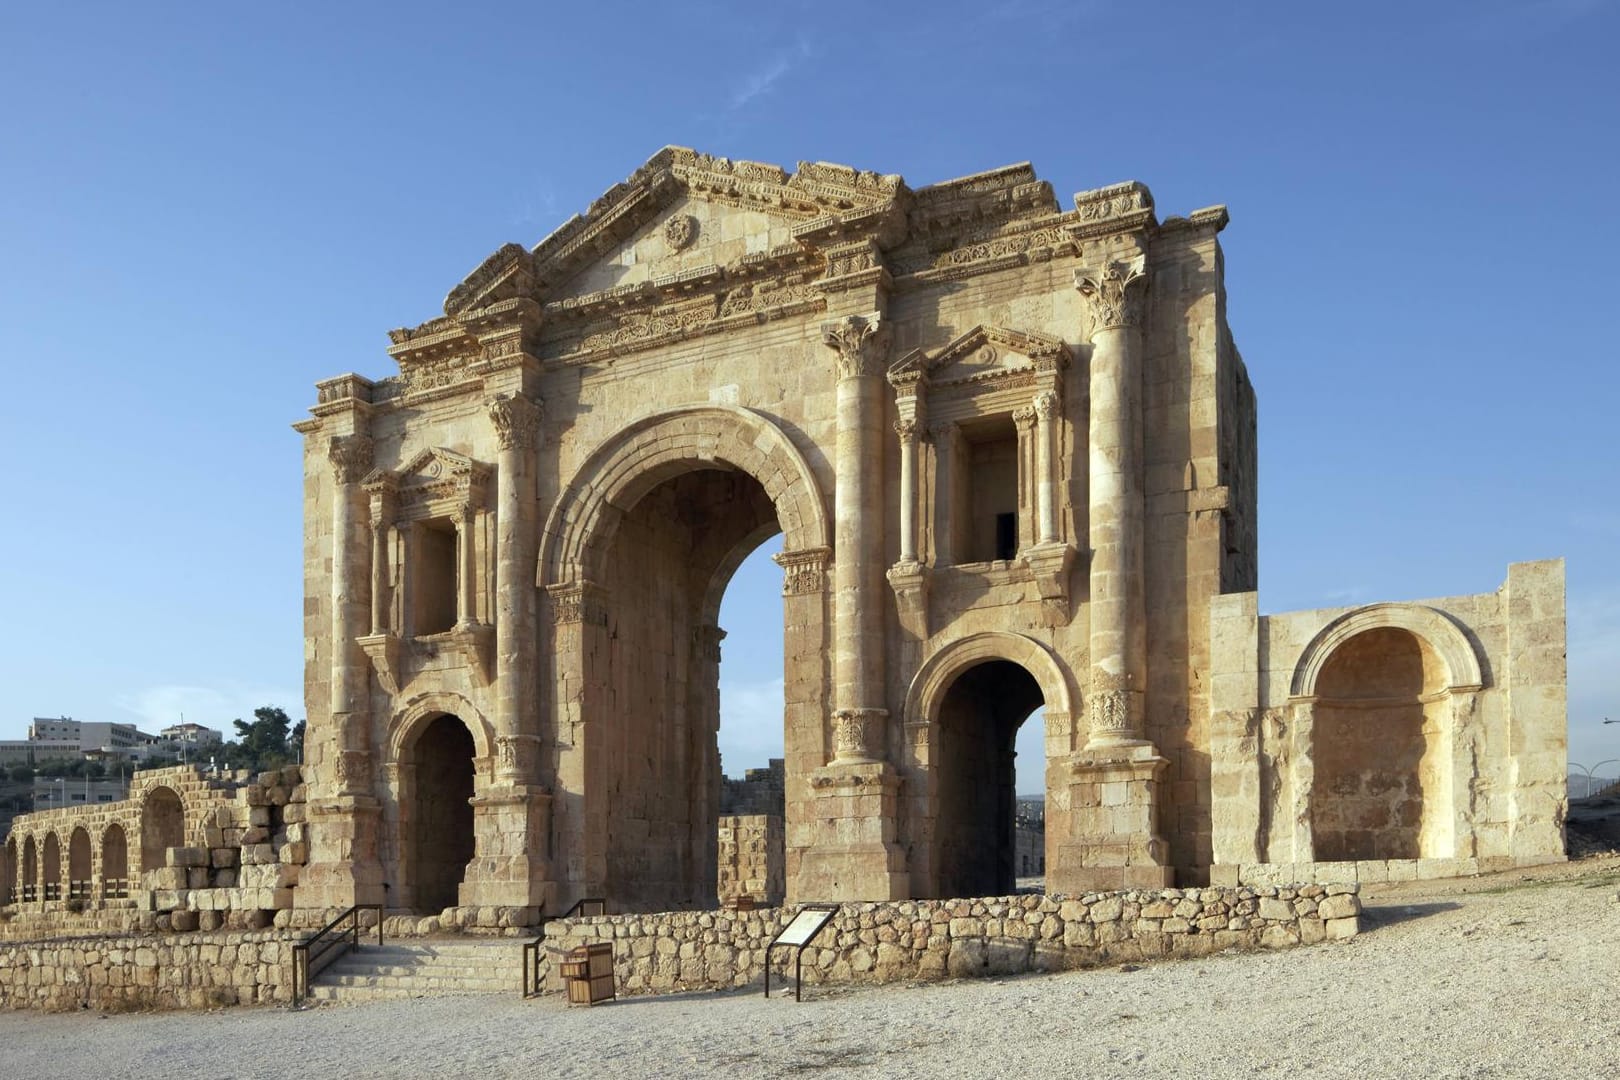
(79,865)
(163,826)
(53,867)
(655,685)
(441,841)
(30,871)
(114,863)
(8,873)
(976,849)
(1379,749)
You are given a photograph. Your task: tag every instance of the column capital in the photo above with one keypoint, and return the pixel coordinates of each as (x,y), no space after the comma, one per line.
(517,421)
(1046,404)
(906,428)
(803,571)
(1024,417)
(858,735)
(1116,291)
(351,457)
(861,342)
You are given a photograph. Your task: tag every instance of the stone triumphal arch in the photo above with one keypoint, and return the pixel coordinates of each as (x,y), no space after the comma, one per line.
(1010,449)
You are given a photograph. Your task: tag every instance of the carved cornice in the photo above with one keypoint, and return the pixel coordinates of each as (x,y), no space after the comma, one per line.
(803,571)
(517,421)
(1116,291)
(860,342)
(350,456)
(1112,209)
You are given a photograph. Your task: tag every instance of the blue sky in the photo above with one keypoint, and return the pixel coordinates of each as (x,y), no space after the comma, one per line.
(206,208)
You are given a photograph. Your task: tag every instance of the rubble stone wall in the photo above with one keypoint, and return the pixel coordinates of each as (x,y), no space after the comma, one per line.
(920,939)
(115,974)
(751,858)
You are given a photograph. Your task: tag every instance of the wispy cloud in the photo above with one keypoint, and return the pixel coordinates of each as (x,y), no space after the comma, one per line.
(763,79)
(156,707)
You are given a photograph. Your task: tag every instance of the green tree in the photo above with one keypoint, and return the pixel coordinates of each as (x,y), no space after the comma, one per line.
(262,743)
(22,774)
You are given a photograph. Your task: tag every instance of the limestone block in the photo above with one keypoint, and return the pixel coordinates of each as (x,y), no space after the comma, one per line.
(185,856)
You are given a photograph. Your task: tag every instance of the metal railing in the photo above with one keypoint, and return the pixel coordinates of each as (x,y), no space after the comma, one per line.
(78,890)
(53,890)
(340,936)
(115,888)
(531,949)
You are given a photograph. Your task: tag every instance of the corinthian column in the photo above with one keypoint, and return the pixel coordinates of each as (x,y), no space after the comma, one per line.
(1118,617)
(1046,405)
(860,344)
(516,420)
(350,456)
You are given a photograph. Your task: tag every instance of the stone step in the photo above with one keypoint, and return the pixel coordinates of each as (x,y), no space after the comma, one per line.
(426,967)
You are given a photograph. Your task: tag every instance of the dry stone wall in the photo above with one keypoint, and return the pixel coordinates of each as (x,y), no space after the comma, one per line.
(114,974)
(920,939)
(751,858)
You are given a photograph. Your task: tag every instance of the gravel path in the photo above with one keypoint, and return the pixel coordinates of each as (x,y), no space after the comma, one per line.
(1505,977)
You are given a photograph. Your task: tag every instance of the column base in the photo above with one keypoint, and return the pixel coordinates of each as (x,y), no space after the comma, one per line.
(852,853)
(1112,840)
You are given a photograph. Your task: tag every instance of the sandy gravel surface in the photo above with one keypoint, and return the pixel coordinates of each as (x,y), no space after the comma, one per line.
(1513,976)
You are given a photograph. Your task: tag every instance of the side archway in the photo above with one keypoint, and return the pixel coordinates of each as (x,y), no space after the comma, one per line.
(439,745)
(963,710)
(1455,651)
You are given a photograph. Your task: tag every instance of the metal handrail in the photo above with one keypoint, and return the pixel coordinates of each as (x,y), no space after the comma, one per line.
(531,949)
(328,943)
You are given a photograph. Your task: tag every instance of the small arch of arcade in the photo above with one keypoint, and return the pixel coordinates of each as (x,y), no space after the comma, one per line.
(441,753)
(636,556)
(163,825)
(1383,699)
(963,710)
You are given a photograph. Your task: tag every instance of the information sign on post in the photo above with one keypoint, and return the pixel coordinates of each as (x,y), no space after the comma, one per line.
(798,934)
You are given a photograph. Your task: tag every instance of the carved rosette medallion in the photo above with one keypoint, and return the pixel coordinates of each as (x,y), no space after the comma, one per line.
(1117,292)
(858,735)
(516,420)
(803,572)
(860,342)
(680,231)
(350,456)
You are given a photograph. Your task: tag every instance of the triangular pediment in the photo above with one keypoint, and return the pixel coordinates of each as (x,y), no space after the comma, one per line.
(984,352)
(680,212)
(432,473)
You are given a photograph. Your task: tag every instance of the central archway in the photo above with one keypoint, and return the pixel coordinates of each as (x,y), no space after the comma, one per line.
(637,554)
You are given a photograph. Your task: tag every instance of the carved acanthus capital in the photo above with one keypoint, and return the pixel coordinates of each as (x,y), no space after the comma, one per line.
(906,428)
(517,421)
(858,735)
(804,571)
(351,457)
(1111,714)
(1046,405)
(861,342)
(1024,418)
(517,756)
(1117,291)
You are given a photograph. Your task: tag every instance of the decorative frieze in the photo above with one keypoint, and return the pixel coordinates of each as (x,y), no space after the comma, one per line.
(578,603)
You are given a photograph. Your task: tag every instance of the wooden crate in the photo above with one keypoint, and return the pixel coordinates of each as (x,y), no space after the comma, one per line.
(588,973)
(590,991)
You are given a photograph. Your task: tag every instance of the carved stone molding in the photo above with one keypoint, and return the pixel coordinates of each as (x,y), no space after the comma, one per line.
(578,602)
(476,644)
(861,342)
(517,421)
(909,580)
(708,639)
(1116,291)
(858,735)
(384,651)
(350,456)
(1050,565)
(804,571)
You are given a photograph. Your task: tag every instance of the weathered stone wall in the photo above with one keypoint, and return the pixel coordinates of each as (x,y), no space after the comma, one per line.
(129,972)
(751,862)
(919,939)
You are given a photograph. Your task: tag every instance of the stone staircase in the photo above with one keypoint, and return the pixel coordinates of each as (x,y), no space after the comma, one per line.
(422,967)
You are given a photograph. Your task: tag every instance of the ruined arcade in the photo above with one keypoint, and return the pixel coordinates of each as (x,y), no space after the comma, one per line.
(1011,452)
